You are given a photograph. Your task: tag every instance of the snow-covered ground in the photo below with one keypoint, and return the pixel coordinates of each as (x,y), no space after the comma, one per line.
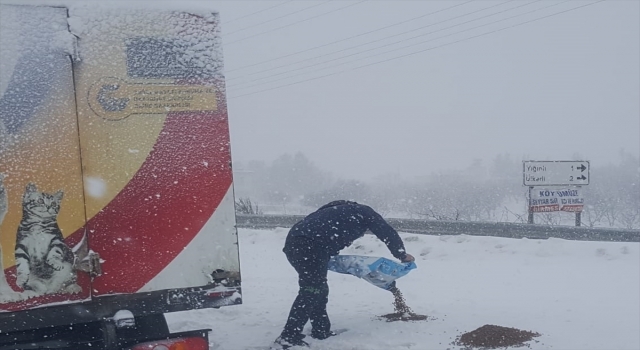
(578,295)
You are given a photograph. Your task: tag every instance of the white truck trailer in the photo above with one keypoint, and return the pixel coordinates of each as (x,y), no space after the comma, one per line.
(116,189)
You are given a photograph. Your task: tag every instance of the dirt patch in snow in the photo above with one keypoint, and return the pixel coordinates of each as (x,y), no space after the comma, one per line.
(493,337)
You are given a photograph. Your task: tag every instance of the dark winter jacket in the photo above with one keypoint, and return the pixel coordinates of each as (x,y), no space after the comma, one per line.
(336,225)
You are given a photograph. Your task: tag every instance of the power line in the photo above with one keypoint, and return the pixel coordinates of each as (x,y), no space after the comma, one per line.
(419,51)
(277,18)
(407,39)
(349,38)
(397,49)
(381,39)
(290,24)
(257,12)
(377,40)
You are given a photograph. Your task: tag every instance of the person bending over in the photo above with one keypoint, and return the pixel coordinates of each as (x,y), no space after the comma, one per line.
(310,244)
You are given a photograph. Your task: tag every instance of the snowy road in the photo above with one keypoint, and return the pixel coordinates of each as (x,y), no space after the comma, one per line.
(578,295)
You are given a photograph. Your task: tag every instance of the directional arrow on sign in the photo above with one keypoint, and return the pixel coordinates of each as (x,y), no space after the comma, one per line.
(581,177)
(582,167)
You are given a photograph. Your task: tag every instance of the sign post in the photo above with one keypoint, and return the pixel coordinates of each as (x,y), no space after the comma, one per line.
(530,219)
(571,175)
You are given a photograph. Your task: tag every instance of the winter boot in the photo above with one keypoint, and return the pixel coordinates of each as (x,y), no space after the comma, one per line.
(283,344)
(322,335)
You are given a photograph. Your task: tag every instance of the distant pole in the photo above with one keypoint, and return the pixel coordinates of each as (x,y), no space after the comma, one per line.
(578,214)
(530,220)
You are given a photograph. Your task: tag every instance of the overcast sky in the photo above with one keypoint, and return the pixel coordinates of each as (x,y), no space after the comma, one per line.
(544,90)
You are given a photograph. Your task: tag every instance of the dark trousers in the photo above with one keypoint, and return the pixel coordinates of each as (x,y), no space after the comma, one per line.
(311,263)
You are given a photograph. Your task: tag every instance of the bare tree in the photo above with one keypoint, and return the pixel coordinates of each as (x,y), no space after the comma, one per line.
(244,206)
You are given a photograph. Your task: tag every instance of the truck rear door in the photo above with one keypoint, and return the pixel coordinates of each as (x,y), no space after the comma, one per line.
(42,221)
(115,163)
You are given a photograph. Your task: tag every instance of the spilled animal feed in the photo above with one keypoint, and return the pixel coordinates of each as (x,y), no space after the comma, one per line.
(402,312)
(493,337)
